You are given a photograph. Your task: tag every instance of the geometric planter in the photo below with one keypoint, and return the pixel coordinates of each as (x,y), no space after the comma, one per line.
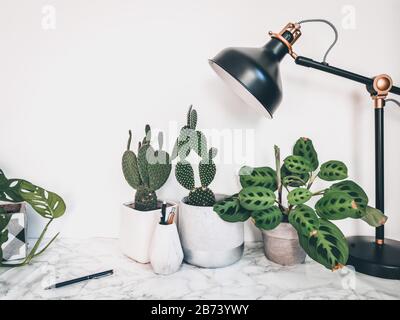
(15,247)
(137,228)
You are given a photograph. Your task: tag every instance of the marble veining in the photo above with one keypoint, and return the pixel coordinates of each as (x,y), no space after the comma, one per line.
(253,277)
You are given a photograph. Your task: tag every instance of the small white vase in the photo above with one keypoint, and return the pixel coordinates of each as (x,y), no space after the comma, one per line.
(166,253)
(137,228)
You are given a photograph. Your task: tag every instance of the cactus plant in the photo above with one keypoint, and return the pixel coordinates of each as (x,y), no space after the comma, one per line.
(147,171)
(320,238)
(191,139)
(47,204)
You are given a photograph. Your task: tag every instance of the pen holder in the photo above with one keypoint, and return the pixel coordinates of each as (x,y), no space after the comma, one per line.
(166,253)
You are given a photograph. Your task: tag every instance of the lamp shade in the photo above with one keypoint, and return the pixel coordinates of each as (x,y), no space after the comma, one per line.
(253,73)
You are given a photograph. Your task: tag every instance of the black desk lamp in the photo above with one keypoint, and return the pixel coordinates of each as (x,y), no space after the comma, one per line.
(253,73)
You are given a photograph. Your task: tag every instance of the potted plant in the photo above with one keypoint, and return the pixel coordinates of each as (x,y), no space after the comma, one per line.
(145,172)
(292,228)
(207,240)
(13,195)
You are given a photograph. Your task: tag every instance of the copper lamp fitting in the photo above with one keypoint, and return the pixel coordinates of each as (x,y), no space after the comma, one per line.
(294,30)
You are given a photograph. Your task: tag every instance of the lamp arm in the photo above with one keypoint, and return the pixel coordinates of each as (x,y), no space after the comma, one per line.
(310,63)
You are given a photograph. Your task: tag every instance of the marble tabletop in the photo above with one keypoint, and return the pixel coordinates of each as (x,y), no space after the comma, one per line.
(253,277)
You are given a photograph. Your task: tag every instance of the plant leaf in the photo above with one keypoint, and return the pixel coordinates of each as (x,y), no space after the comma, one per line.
(328,246)
(299,196)
(207,171)
(229,210)
(336,205)
(267,219)
(333,170)
(9,189)
(47,204)
(305,148)
(356,193)
(374,217)
(298,164)
(293,180)
(256,198)
(258,177)
(304,220)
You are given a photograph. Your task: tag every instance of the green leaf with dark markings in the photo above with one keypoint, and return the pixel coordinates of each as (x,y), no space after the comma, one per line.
(229,210)
(256,198)
(258,177)
(299,196)
(305,148)
(267,219)
(304,220)
(332,171)
(336,205)
(298,164)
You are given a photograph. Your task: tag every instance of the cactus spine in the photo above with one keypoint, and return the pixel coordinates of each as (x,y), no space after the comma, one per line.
(192,139)
(147,171)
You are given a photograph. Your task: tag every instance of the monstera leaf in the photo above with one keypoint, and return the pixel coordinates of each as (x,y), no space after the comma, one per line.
(304,220)
(336,205)
(374,217)
(333,171)
(256,198)
(9,189)
(298,164)
(356,193)
(328,246)
(258,177)
(293,180)
(230,210)
(267,219)
(299,196)
(48,204)
(304,148)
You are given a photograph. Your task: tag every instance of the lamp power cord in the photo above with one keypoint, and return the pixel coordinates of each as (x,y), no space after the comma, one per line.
(334,30)
(394,101)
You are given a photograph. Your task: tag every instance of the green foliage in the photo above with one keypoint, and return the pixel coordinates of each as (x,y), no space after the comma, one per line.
(356,193)
(299,196)
(298,164)
(333,171)
(46,203)
(256,198)
(267,219)
(304,220)
(374,217)
(336,205)
(328,246)
(147,171)
(319,237)
(305,148)
(290,179)
(230,210)
(258,177)
(191,139)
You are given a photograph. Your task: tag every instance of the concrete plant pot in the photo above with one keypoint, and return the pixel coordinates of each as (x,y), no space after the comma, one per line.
(137,228)
(207,240)
(281,245)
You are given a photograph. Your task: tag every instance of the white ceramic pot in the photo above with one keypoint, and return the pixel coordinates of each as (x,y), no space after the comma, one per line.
(136,230)
(207,240)
(166,253)
(281,245)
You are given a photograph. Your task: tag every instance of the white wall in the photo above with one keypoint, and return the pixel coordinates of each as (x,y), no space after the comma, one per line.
(68,95)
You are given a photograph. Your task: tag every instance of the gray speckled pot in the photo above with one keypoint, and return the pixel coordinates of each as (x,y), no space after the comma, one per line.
(282,246)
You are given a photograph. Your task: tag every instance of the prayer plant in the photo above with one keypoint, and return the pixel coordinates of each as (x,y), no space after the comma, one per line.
(262,200)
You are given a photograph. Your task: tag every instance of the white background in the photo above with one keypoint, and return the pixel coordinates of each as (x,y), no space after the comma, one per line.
(68,95)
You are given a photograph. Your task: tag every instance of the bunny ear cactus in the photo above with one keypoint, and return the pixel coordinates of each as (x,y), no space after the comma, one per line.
(261,199)
(192,139)
(47,204)
(147,171)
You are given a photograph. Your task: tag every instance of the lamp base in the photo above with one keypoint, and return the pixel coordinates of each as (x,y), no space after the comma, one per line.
(381,261)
